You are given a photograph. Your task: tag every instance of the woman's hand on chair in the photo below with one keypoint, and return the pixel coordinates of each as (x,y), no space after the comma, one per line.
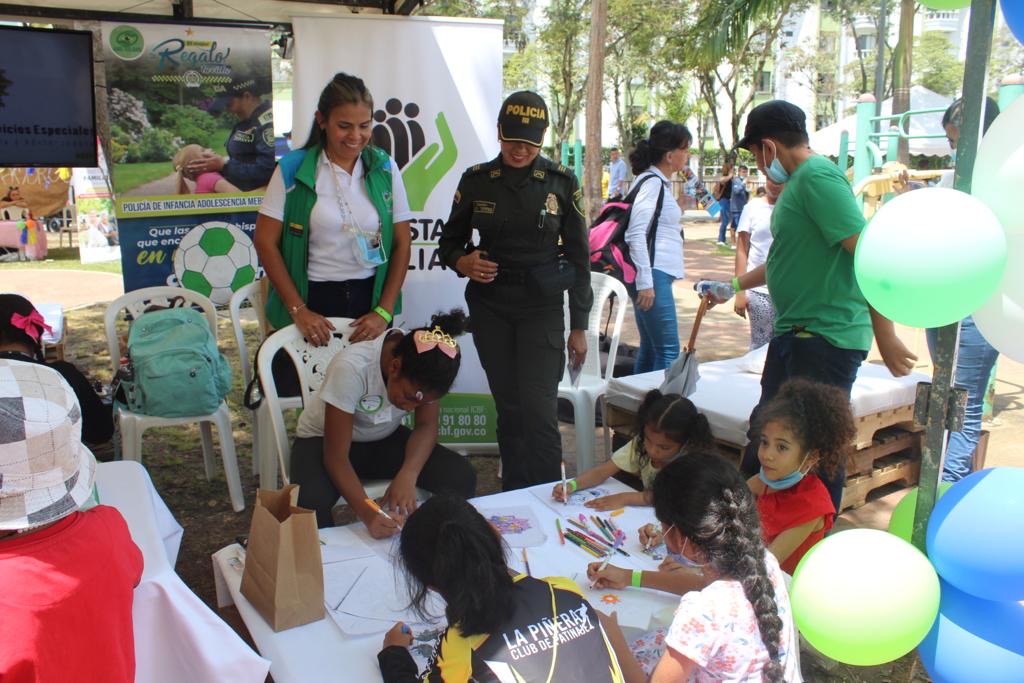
(576,346)
(313,326)
(366,327)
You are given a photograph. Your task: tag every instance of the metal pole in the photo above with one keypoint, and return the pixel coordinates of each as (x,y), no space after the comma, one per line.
(979,47)
(880,41)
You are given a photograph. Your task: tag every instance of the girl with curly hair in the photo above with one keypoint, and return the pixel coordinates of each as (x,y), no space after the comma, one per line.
(739,626)
(807,426)
(667,425)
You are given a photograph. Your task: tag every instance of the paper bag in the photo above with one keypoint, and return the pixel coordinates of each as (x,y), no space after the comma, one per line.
(283,576)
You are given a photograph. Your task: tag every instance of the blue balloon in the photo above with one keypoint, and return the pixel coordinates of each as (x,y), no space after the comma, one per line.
(974,640)
(1013,12)
(976,534)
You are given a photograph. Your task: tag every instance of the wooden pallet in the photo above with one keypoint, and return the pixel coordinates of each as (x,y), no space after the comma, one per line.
(891,468)
(886,441)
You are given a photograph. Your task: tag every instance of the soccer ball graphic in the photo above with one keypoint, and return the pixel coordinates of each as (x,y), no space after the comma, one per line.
(215,259)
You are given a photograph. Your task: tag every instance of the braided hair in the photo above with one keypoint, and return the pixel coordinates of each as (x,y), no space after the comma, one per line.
(708,501)
(818,415)
(674,416)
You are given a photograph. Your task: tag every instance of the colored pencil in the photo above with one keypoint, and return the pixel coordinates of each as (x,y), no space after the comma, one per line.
(376,508)
(603,544)
(618,512)
(565,488)
(561,535)
(590,543)
(576,524)
(526,561)
(602,530)
(579,544)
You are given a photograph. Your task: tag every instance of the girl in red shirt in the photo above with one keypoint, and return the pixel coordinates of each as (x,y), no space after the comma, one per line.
(807,426)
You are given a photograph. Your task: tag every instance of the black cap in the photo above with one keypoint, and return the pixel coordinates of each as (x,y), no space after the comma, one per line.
(523,118)
(775,116)
(238,86)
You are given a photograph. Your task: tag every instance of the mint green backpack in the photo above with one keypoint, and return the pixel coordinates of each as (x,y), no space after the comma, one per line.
(176,369)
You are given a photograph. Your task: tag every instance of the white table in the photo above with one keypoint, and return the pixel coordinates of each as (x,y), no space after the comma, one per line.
(177,637)
(322,652)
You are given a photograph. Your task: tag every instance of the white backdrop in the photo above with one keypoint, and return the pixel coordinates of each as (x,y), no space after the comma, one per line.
(436,85)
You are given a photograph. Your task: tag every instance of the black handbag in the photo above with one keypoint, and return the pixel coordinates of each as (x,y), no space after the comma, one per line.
(553,277)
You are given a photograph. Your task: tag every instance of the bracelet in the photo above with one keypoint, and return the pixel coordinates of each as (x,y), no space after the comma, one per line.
(295,309)
(382,312)
(736,284)
(636,579)
(572,485)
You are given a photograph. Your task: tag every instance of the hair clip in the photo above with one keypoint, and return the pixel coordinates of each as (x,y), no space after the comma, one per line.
(429,339)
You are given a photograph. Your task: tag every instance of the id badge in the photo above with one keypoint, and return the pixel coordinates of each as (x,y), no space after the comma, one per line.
(368,249)
(382,416)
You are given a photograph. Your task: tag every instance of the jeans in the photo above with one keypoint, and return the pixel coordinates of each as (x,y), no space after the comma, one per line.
(811,357)
(974,362)
(725,216)
(659,331)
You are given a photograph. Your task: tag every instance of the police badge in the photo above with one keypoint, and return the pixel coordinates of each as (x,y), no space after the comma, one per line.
(551,204)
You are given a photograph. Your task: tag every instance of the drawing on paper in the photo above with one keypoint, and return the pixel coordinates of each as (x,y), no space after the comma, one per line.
(587,495)
(510,524)
(611,599)
(656,552)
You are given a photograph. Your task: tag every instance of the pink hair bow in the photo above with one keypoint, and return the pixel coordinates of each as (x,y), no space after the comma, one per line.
(436,338)
(33,324)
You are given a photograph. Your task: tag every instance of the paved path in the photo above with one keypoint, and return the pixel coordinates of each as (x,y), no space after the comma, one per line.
(70,288)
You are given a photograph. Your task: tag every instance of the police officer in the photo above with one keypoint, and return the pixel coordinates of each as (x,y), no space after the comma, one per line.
(250,146)
(532,247)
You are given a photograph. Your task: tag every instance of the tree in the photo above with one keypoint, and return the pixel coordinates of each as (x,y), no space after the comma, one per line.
(938,69)
(563,58)
(595,81)
(816,68)
(1007,56)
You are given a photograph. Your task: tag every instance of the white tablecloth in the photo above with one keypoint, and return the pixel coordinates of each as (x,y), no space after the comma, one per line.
(729,389)
(322,652)
(177,637)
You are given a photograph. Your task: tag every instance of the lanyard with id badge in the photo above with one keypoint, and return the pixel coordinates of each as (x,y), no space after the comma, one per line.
(367,247)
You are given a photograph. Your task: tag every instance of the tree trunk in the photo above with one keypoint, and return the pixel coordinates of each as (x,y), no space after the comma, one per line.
(595,81)
(902,69)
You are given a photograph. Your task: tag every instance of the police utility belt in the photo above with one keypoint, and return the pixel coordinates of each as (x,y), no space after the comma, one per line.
(544,279)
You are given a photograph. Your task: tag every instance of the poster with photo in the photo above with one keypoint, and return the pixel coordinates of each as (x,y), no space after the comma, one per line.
(94,208)
(192,128)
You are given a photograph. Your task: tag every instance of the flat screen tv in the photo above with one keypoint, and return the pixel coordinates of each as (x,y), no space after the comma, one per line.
(47,104)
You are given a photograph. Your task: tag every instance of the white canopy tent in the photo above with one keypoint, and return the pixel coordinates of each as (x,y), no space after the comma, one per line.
(826,140)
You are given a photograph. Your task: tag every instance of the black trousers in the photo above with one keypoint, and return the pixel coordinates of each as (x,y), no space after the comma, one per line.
(347,299)
(444,472)
(520,339)
(813,358)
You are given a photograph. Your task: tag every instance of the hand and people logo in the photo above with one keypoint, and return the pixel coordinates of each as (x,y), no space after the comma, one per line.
(126,42)
(398,132)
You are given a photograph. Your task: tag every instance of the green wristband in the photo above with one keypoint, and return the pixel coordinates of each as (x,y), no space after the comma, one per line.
(736,284)
(572,485)
(383,313)
(636,579)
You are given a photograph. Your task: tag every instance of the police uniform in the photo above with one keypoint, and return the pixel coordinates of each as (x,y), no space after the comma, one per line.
(525,217)
(250,149)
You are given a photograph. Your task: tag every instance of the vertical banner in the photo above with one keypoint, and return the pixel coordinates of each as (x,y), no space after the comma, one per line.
(94,205)
(436,114)
(192,147)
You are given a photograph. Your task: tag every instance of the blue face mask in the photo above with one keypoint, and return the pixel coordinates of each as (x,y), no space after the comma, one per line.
(775,171)
(680,558)
(786,482)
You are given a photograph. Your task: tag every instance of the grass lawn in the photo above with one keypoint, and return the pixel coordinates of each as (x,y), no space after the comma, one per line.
(129,176)
(63,258)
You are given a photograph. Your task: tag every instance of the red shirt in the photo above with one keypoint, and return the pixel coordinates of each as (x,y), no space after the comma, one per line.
(808,500)
(66,601)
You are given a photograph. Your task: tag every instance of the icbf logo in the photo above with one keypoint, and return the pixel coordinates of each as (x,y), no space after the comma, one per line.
(398,130)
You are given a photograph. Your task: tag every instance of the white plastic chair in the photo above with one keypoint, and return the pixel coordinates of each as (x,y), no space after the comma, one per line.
(252,294)
(593,379)
(311,365)
(133,425)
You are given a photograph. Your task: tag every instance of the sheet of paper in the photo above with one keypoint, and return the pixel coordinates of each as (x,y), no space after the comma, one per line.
(577,501)
(339,544)
(635,607)
(518,525)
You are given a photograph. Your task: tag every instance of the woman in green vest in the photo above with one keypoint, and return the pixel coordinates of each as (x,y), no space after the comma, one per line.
(333,231)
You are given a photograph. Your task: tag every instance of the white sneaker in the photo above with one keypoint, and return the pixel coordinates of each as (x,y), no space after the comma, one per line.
(733,247)
(721,244)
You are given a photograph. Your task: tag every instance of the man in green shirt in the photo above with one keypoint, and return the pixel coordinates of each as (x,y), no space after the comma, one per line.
(823,324)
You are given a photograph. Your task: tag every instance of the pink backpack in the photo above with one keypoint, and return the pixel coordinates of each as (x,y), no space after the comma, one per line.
(609,253)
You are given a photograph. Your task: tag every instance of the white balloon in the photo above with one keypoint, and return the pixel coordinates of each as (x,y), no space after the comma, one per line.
(999,168)
(1001,319)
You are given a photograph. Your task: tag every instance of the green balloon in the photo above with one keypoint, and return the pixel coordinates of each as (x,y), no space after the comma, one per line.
(902,521)
(930,257)
(864,597)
